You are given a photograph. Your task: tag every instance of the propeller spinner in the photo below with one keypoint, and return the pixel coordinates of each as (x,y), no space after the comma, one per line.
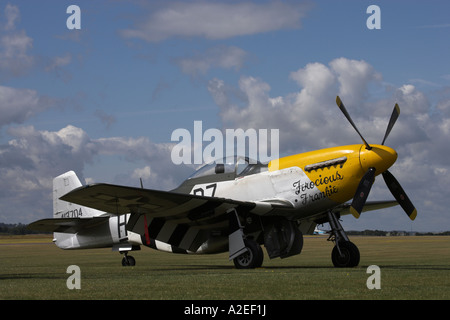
(378,158)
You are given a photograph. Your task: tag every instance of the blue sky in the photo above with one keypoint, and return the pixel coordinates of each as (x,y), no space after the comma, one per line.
(105,99)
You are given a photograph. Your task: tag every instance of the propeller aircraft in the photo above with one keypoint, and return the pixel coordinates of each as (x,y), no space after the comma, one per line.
(235,205)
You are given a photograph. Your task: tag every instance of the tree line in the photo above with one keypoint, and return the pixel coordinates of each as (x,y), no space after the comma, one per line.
(15,229)
(381,233)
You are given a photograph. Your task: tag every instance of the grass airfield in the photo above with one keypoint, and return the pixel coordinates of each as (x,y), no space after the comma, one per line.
(412,267)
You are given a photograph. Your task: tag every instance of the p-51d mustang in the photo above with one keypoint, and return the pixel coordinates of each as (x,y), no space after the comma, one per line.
(234,206)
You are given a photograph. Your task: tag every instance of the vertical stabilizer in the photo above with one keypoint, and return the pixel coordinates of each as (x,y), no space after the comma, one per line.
(61,209)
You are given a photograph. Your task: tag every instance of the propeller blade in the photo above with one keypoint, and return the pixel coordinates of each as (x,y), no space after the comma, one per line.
(362,192)
(394,116)
(400,195)
(344,111)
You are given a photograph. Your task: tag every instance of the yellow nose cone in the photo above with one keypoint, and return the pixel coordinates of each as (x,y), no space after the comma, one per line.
(380,157)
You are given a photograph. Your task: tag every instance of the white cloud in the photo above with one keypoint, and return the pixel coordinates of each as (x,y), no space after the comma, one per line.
(353,77)
(309,118)
(15,45)
(30,160)
(28,163)
(17,105)
(216,57)
(142,173)
(48,152)
(12,14)
(213,20)
(415,101)
(316,79)
(259,110)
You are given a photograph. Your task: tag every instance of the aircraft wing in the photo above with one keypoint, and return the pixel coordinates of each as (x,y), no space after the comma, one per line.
(369,206)
(180,207)
(181,220)
(66,225)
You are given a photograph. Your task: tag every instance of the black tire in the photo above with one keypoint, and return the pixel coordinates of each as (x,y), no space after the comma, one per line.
(128,261)
(259,262)
(251,259)
(350,255)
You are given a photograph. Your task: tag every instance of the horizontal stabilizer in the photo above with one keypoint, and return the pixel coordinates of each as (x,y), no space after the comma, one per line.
(66,225)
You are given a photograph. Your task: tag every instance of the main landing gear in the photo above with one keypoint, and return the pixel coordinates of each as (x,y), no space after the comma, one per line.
(245,252)
(253,258)
(281,237)
(345,254)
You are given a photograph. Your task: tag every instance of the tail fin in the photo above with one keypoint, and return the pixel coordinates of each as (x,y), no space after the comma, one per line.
(61,209)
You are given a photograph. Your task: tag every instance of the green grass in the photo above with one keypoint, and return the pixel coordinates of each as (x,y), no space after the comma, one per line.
(411,268)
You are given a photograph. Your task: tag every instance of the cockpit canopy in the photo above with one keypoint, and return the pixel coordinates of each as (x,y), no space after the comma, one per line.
(234,166)
(228,168)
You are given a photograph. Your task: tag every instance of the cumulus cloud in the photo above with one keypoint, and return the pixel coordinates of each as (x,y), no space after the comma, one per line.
(415,100)
(28,163)
(213,20)
(309,117)
(142,173)
(47,152)
(31,158)
(17,105)
(353,77)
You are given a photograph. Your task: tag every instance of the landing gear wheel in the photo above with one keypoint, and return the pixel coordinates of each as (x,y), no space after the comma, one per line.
(348,257)
(251,259)
(128,261)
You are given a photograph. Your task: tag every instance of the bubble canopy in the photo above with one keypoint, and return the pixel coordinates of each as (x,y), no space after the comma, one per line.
(232,167)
